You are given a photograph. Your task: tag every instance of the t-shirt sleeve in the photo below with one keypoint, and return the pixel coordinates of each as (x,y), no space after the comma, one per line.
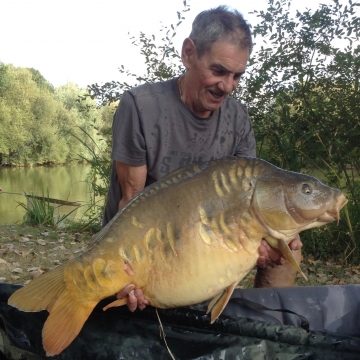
(128,139)
(247,143)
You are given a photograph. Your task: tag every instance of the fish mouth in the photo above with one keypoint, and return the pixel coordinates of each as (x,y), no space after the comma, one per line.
(334,214)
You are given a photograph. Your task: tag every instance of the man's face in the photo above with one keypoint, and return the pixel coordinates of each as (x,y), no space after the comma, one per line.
(213,76)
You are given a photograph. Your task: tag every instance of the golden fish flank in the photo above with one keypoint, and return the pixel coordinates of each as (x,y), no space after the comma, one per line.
(190,237)
(136,223)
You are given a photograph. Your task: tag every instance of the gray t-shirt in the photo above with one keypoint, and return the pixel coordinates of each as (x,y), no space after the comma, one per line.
(153,126)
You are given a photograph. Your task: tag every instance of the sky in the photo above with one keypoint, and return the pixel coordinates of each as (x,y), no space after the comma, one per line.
(85,42)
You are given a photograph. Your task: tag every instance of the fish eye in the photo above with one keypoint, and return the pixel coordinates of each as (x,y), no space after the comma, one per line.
(306,189)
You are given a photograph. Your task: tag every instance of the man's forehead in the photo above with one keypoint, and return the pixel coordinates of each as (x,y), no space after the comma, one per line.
(225,47)
(239,70)
(227,56)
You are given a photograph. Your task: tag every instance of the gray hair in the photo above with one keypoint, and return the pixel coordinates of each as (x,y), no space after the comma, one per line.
(218,23)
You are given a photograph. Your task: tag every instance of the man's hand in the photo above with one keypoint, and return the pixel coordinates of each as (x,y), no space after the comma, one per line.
(269,256)
(135,297)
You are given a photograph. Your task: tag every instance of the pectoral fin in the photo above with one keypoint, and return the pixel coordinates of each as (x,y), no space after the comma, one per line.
(119,302)
(282,246)
(218,303)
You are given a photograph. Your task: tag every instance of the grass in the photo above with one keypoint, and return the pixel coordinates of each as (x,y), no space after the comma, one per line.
(40,212)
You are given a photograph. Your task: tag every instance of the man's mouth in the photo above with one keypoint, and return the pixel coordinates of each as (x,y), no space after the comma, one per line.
(217,95)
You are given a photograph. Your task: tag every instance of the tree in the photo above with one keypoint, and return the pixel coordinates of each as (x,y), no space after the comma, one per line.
(36,119)
(40,81)
(300,82)
(302,89)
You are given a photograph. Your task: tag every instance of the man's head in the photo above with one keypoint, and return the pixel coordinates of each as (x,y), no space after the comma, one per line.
(215,56)
(217,24)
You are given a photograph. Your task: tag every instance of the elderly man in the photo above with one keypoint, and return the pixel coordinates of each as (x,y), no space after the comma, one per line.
(160,127)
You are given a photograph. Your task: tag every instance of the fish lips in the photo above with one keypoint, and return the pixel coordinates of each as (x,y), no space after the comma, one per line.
(334,213)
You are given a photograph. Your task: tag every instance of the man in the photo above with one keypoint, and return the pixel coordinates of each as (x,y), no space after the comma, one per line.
(160,127)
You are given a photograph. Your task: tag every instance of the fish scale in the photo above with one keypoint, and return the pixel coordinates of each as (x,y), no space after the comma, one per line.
(190,237)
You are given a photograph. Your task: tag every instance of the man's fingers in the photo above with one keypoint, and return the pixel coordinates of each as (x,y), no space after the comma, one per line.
(125,291)
(296,243)
(269,256)
(142,302)
(132,301)
(135,298)
(261,263)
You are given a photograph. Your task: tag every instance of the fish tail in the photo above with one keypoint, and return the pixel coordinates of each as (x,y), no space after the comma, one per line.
(64,323)
(67,315)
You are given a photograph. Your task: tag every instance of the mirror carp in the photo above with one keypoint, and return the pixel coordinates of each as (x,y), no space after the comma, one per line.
(190,237)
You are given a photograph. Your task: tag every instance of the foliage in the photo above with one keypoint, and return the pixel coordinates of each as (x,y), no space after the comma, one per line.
(40,212)
(35,118)
(300,83)
(40,81)
(98,178)
(302,89)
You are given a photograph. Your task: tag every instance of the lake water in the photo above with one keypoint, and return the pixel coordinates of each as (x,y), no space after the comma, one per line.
(63,182)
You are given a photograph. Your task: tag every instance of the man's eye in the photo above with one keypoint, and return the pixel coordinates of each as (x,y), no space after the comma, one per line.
(219,72)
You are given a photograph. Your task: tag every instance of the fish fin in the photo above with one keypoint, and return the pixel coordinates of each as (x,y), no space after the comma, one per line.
(119,302)
(64,323)
(282,246)
(67,316)
(213,302)
(220,301)
(40,293)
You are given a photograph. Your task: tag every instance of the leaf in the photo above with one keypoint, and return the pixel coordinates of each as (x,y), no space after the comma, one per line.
(4,263)
(27,253)
(314,262)
(17,271)
(32,269)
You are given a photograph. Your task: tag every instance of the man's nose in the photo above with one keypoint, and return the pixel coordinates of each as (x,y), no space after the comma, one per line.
(228,84)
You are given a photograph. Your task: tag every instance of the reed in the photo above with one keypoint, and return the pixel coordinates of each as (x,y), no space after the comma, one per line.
(39,211)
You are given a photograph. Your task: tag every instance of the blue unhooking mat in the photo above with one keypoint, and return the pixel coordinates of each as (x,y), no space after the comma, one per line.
(249,328)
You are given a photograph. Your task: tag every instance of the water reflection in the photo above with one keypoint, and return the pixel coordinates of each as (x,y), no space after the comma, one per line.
(63,182)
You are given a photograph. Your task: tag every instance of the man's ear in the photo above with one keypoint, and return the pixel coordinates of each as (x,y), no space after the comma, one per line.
(188,52)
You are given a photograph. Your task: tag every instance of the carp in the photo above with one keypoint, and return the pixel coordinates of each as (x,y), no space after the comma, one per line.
(190,237)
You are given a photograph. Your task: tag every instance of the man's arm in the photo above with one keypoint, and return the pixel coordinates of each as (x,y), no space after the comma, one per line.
(132,180)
